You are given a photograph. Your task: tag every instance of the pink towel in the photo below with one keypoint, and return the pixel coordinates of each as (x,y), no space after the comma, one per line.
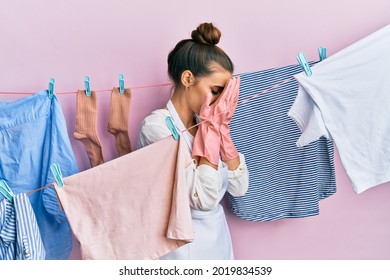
(133,207)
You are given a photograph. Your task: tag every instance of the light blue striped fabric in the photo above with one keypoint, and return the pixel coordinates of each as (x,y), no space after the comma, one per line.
(19,233)
(284,181)
(7,230)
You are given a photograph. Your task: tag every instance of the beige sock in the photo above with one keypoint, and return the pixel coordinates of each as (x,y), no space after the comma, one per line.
(86,129)
(118,120)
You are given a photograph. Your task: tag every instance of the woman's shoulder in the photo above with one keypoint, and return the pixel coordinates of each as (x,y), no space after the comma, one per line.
(157,117)
(153,128)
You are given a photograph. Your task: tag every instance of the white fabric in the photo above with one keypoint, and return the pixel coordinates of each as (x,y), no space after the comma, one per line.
(347,98)
(207,187)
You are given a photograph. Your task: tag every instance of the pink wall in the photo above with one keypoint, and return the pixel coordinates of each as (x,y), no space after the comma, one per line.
(70,39)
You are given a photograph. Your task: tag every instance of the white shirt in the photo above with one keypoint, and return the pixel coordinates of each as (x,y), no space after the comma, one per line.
(347,98)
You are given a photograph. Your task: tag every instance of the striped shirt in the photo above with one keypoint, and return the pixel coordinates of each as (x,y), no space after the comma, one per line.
(20,238)
(284,181)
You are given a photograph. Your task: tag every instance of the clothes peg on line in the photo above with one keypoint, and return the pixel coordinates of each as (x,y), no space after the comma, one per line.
(172,128)
(6,190)
(305,65)
(322,53)
(51,87)
(87,86)
(121,84)
(56,171)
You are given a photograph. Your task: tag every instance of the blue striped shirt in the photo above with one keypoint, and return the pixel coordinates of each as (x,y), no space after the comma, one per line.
(284,181)
(20,238)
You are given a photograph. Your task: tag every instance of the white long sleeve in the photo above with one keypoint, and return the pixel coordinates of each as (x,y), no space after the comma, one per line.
(239,178)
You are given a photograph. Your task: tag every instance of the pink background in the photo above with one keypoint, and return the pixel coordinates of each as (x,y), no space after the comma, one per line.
(70,39)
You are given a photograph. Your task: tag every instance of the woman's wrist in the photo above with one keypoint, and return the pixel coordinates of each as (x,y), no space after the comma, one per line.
(233,164)
(204,160)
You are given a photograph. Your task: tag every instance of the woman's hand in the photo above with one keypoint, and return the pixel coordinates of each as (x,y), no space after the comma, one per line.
(207,142)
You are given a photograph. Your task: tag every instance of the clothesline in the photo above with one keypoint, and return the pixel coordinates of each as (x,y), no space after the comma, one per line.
(301,59)
(108,90)
(102,90)
(162,85)
(39,189)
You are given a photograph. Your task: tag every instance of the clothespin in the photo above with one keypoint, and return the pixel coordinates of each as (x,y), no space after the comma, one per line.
(87,86)
(121,84)
(303,62)
(51,87)
(322,53)
(172,128)
(6,190)
(56,171)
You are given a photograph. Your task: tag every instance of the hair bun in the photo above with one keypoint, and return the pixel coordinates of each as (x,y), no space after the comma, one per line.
(206,33)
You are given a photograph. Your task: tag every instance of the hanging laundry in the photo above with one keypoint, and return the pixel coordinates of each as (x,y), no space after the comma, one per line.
(284,181)
(347,98)
(19,233)
(133,207)
(118,120)
(32,136)
(86,126)
(206,188)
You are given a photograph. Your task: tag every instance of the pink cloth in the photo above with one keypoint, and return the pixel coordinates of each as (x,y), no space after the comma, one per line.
(133,207)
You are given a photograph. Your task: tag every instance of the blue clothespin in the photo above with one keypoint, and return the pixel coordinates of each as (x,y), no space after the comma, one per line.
(303,62)
(322,53)
(172,128)
(121,84)
(51,87)
(56,171)
(6,190)
(87,86)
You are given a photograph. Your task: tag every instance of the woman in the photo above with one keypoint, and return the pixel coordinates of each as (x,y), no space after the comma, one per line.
(204,87)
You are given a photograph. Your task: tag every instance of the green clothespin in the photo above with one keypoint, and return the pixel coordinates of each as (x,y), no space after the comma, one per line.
(87,86)
(322,53)
(6,190)
(305,65)
(56,171)
(51,87)
(172,128)
(121,84)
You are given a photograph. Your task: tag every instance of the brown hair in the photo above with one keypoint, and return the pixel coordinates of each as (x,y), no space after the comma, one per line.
(197,53)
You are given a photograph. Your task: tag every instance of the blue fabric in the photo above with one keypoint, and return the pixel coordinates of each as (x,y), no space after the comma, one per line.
(284,181)
(33,135)
(20,238)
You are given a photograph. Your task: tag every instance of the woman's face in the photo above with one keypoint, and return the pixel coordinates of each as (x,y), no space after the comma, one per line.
(212,84)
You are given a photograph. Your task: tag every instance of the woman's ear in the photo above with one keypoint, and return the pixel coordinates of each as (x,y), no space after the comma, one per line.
(187,78)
